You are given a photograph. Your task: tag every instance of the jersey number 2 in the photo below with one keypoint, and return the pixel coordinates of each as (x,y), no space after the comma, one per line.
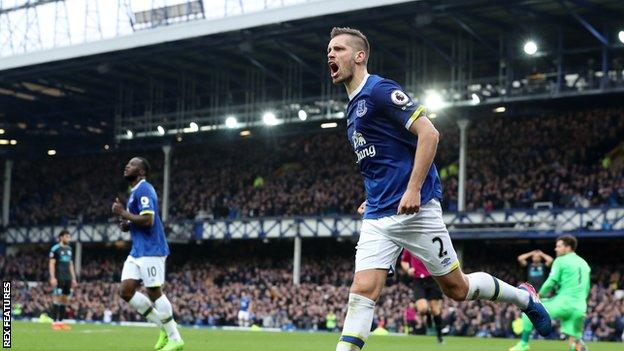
(442,252)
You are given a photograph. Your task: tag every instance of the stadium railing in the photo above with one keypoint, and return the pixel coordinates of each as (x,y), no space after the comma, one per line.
(466,225)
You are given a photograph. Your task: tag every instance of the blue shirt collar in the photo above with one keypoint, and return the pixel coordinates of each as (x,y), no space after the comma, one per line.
(136,186)
(359,88)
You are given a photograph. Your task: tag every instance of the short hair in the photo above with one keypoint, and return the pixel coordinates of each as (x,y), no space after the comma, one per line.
(361,40)
(569,240)
(145,165)
(63,232)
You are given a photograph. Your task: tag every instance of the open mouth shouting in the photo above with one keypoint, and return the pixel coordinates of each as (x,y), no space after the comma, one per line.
(334,70)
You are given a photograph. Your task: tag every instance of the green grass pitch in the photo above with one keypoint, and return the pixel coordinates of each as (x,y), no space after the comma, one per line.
(39,337)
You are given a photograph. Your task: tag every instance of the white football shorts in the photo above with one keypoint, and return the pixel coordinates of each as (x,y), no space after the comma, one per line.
(424,234)
(149,269)
(243,315)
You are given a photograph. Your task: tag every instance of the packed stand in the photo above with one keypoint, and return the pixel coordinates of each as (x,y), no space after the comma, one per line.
(79,188)
(515,162)
(512,163)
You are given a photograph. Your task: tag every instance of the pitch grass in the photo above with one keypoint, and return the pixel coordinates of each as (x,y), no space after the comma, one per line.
(39,337)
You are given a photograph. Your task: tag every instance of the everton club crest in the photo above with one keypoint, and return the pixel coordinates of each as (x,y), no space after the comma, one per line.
(361,108)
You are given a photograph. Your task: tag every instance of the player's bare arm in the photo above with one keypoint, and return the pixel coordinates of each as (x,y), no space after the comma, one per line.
(74,281)
(548,260)
(362,208)
(428,137)
(522,259)
(124,225)
(144,220)
(51,266)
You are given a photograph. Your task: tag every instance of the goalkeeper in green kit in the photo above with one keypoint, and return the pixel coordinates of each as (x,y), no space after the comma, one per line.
(569,277)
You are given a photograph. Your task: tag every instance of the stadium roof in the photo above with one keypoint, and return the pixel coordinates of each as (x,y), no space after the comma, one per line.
(70,96)
(193,29)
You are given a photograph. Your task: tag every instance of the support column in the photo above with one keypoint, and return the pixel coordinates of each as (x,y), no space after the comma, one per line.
(604,81)
(6,196)
(166,175)
(297,261)
(461,192)
(78,260)
(560,78)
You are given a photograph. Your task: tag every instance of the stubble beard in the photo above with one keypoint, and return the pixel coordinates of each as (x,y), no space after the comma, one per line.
(131,177)
(344,78)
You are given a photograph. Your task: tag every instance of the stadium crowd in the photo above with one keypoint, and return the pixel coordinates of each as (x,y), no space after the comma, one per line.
(512,163)
(517,162)
(208,294)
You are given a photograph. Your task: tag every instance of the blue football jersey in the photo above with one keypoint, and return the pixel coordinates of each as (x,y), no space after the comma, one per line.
(244,303)
(379,116)
(146,241)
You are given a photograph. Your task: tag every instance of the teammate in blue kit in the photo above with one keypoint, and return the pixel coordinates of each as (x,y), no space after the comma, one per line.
(244,311)
(146,262)
(395,144)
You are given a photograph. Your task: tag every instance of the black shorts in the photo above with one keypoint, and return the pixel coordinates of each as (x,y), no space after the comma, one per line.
(63,287)
(427,288)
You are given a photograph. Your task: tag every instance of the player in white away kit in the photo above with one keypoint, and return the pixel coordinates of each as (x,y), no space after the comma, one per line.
(146,262)
(395,144)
